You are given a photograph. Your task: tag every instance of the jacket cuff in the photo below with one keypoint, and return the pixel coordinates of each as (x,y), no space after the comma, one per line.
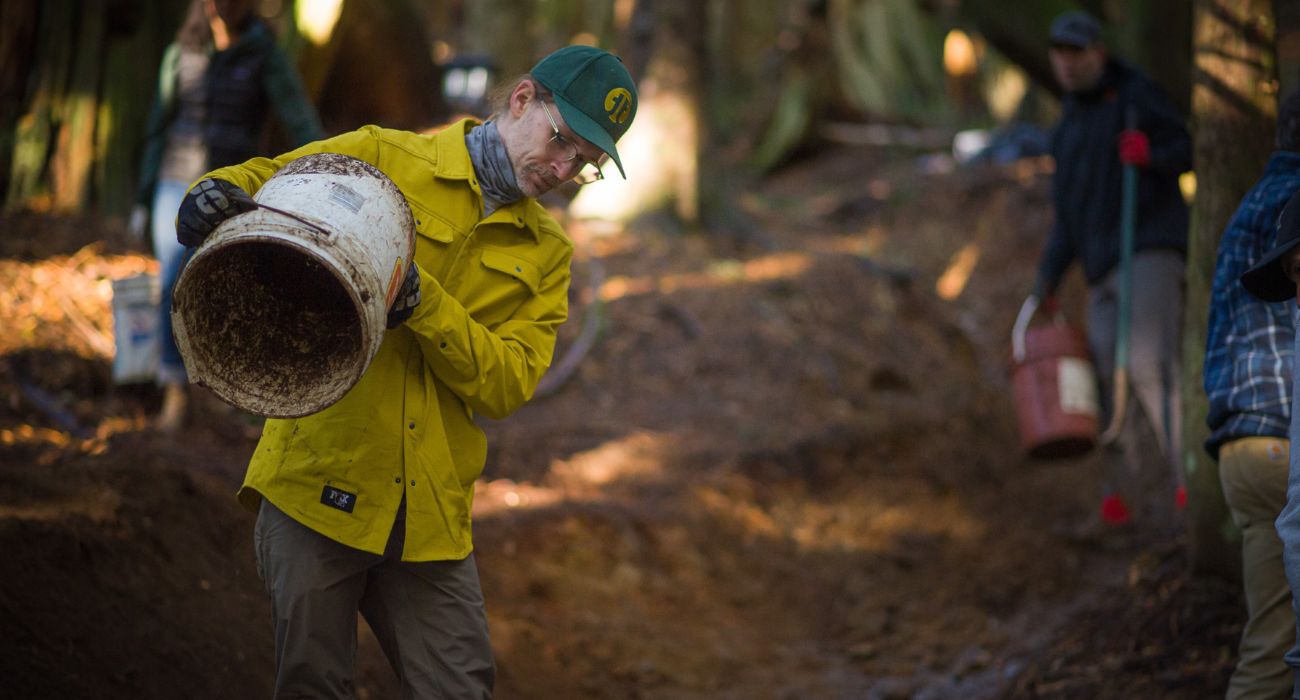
(430,296)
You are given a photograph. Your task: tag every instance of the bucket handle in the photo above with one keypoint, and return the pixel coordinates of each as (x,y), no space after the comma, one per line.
(1027,311)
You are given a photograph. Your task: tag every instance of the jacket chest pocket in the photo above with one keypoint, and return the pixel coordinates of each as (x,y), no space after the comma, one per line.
(433,241)
(495,284)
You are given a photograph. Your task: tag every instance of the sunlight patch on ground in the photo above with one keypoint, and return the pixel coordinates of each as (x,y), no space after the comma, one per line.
(726,273)
(52,443)
(99,506)
(41,301)
(31,435)
(867,244)
(497,495)
(859,521)
(639,455)
(953,280)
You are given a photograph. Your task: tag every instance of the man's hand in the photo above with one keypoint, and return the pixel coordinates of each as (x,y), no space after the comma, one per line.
(1134,148)
(205,206)
(408,297)
(1043,298)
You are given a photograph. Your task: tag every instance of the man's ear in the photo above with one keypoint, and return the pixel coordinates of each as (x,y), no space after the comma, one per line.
(523,93)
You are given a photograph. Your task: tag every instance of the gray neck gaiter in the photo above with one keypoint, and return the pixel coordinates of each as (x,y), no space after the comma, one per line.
(496,178)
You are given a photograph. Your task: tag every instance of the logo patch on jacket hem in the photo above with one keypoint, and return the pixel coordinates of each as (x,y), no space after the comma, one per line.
(338,498)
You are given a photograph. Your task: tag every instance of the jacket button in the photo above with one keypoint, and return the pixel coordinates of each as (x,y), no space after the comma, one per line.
(411,425)
(413,482)
(443,344)
(397,480)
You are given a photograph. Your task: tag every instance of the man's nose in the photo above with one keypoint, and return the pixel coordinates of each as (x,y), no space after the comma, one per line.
(565,169)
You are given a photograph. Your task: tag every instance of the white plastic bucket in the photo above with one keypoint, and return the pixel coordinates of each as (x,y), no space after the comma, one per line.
(280,313)
(135,329)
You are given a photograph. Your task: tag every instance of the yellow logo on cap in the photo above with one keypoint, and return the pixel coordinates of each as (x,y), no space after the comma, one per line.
(618,103)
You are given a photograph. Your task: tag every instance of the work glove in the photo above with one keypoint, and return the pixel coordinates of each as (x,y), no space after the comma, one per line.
(205,206)
(136,223)
(408,297)
(1134,148)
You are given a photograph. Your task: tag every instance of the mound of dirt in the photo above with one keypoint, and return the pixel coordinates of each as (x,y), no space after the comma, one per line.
(788,468)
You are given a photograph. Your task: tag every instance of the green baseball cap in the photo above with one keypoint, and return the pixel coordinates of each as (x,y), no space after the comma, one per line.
(594,92)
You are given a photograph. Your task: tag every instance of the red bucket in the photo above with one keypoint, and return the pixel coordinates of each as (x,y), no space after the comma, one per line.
(1054,387)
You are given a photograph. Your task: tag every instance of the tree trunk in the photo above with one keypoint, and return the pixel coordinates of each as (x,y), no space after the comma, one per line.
(93,69)
(708,79)
(1234,107)
(18,22)
(1156,34)
(661,151)
(381,71)
(37,127)
(72,165)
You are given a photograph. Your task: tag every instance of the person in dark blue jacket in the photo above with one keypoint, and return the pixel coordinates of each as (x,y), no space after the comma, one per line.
(1248,379)
(1112,117)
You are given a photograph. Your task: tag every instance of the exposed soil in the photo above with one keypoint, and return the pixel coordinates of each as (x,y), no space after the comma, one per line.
(788,470)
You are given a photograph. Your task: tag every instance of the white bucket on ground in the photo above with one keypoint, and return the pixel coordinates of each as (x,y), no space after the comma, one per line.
(281,315)
(135,329)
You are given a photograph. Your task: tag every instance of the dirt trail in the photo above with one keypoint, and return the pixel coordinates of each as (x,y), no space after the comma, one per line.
(789,470)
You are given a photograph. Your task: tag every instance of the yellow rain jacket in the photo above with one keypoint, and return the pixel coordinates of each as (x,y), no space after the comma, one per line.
(493,292)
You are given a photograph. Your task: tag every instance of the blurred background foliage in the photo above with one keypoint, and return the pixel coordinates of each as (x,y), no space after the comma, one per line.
(730,89)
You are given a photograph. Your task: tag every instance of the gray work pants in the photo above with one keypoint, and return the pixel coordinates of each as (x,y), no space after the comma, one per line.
(429,617)
(1155,339)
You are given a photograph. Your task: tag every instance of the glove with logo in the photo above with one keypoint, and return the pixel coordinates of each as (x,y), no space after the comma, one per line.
(1134,148)
(205,206)
(408,297)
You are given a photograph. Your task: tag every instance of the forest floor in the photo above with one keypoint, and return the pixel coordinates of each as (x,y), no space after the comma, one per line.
(789,469)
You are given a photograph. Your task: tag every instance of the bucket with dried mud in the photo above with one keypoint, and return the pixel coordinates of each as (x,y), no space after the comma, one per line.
(282,308)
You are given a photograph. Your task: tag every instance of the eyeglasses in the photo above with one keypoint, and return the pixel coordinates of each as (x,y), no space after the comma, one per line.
(568,150)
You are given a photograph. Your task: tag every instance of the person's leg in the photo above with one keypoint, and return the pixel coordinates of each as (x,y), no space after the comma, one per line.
(1253,472)
(1103,314)
(431,622)
(315,585)
(1118,473)
(171,257)
(1155,354)
(167,196)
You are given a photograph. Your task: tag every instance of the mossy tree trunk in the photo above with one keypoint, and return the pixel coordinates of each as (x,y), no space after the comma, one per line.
(73,118)
(1234,107)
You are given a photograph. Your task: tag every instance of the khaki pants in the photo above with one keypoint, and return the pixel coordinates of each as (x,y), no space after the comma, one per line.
(429,617)
(1254,476)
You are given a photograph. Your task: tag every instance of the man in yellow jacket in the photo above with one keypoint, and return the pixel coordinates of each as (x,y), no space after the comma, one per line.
(366,504)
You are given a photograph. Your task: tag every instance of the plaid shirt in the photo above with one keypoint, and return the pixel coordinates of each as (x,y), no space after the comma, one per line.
(1249,348)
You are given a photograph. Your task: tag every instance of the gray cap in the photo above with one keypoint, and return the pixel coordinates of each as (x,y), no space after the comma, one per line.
(1074,28)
